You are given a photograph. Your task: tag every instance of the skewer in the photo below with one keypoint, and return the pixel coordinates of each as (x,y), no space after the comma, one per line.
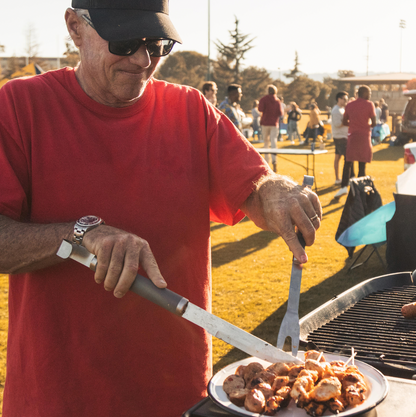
(353,354)
(320,356)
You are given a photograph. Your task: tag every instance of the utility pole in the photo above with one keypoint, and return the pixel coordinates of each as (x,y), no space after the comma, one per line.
(402,25)
(209,41)
(368,52)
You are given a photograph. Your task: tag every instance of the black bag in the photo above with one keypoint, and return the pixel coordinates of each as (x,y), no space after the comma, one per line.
(362,199)
(321,130)
(401,235)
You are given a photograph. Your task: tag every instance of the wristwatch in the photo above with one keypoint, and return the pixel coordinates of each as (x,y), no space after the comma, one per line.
(83,225)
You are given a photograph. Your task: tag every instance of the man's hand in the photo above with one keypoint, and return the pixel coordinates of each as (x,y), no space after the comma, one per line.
(278,203)
(119,256)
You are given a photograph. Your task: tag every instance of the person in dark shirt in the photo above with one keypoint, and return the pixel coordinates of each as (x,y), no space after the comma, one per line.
(293,116)
(384,111)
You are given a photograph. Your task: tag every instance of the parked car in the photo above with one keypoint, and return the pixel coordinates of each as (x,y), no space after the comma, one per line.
(408,124)
(409,154)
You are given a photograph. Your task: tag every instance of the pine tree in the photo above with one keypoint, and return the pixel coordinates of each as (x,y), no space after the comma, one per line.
(231,56)
(293,73)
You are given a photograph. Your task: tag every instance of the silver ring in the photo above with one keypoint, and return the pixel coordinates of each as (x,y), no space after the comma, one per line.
(314,218)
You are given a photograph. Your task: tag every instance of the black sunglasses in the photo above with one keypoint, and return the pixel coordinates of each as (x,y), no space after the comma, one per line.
(155,47)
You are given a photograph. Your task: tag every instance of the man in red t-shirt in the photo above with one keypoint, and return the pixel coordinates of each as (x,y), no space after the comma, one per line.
(271,108)
(157,162)
(360,117)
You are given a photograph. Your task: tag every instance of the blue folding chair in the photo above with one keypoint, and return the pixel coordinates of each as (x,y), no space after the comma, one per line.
(370,230)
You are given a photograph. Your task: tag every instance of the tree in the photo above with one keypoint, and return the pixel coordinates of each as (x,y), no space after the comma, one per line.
(302,90)
(71,54)
(295,72)
(184,67)
(2,48)
(230,56)
(345,73)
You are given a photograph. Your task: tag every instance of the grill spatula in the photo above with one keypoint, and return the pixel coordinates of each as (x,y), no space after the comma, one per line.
(290,323)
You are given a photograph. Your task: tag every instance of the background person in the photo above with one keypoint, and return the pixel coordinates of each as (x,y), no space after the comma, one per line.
(378,112)
(384,116)
(340,135)
(256,120)
(209,90)
(231,105)
(271,110)
(281,118)
(358,114)
(90,142)
(293,117)
(313,125)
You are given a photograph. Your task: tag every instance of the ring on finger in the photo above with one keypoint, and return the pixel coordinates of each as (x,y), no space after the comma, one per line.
(314,218)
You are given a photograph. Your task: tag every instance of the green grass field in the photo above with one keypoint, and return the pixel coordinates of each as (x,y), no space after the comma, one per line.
(251,268)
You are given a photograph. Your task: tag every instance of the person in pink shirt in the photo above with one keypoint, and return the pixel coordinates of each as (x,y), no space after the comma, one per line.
(357,117)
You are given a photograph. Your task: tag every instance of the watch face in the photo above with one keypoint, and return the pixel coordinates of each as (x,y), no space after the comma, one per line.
(88,220)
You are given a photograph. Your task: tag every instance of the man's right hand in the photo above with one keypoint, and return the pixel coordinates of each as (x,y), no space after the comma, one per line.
(119,256)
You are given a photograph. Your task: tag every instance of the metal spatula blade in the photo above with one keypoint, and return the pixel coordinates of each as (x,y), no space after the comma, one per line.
(290,323)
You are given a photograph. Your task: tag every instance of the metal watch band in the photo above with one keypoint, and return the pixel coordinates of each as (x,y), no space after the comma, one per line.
(80,230)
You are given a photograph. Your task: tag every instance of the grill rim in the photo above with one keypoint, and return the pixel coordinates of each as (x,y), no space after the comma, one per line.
(337,305)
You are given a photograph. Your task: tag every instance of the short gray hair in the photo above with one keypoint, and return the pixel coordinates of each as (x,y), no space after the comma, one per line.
(82,12)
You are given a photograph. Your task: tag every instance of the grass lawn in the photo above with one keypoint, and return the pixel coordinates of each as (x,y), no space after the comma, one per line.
(251,268)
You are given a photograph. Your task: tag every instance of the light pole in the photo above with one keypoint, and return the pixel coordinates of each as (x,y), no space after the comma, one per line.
(209,40)
(402,25)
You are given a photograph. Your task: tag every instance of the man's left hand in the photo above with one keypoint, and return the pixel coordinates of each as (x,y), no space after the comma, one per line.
(278,203)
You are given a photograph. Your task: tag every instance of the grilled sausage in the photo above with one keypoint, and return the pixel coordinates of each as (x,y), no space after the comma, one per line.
(232,383)
(279,369)
(255,401)
(238,396)
(251,370)
(279,382)
(409,311)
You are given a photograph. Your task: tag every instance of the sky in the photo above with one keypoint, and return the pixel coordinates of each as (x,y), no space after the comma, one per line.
(329,35)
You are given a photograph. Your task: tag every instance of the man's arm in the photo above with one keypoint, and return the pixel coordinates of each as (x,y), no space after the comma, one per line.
(278,203)
(345,120)
(26,247)
(373,121)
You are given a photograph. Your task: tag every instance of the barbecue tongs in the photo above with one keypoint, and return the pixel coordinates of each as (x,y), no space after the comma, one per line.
(290,323)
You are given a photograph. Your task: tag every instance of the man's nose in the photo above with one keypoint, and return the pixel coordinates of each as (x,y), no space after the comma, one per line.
(141,57)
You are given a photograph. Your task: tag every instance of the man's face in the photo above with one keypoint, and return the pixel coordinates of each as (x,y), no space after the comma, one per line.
(113,80)
(211,94)
(342,102)
(235,95)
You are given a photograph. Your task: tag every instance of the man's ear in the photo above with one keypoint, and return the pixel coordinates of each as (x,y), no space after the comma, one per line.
(73,25)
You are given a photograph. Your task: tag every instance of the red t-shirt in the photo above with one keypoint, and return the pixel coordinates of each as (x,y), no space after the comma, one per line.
(161,168)
(271,107)
(359,113)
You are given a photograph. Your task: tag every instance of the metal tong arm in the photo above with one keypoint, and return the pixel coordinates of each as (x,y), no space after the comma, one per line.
(142,286)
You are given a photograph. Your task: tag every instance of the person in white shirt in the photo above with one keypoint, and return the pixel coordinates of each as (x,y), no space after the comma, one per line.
(340,135)
(378,112)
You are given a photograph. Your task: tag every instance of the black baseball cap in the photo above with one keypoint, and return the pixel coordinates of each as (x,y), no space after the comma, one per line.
(123,20)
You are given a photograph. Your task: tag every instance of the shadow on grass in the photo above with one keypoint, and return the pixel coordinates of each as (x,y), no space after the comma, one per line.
(225,253)
(310,300)
(392,153)
(216,226)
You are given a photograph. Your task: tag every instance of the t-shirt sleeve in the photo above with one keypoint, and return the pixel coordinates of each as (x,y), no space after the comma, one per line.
(235,166)
(14,178)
